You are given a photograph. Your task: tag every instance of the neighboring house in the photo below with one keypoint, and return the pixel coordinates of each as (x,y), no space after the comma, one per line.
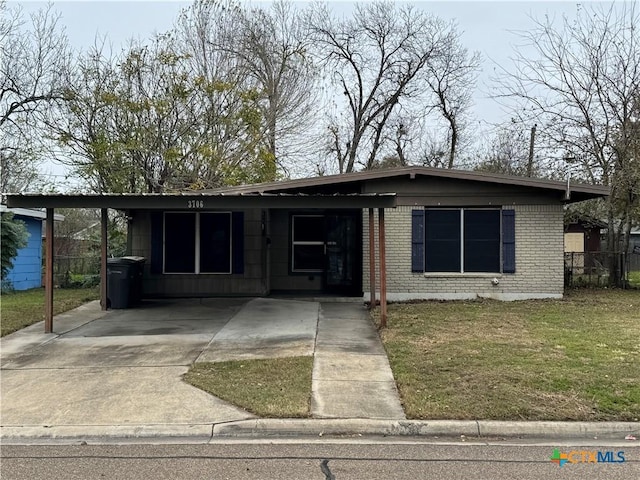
(583,234)
(27,266)
(582,244)
(452,235)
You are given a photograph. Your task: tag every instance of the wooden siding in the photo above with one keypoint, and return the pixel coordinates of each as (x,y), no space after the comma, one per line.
(251,282)
(432,191)
(280,252)
(27,266)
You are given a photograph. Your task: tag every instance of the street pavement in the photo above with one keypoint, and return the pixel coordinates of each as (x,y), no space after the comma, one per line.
(339,459)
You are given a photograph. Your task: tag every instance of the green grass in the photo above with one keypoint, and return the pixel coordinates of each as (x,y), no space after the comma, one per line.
(278,387)
(634,279)
(24,308)
(571,359)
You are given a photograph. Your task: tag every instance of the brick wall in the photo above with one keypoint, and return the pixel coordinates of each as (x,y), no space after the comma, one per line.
(539,260)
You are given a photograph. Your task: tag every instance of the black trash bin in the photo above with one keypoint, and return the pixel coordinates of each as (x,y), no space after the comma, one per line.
(124,281)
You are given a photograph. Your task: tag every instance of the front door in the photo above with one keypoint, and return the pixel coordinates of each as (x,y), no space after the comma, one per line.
(343,266)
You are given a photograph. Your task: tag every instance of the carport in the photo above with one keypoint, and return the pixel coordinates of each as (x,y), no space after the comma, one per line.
(206,202)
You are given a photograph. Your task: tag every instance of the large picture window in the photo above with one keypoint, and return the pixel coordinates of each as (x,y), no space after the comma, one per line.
(460,240)
(198,242)
(307,243)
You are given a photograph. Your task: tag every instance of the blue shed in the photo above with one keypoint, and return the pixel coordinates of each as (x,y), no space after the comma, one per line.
(27,266)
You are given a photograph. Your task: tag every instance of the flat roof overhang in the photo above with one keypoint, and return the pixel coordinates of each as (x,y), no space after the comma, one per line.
(199,201)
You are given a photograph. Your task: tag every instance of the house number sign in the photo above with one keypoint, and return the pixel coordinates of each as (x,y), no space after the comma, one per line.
(195,203)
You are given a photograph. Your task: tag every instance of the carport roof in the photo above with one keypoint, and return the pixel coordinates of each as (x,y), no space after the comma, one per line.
(202,200)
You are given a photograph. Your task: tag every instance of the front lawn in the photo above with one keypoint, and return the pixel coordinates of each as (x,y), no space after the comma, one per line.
(571,359)
(24,308)
(275,387)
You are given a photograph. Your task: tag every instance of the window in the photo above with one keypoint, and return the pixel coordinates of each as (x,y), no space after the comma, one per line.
(198,242)
(307,243)
(463,240)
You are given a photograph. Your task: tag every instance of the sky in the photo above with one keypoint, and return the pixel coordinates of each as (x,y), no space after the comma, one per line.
(486,27)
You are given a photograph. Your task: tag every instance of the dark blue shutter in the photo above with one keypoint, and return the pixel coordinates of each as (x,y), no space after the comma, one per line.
(508,241)
(417,240)
(156,242)
(237,239)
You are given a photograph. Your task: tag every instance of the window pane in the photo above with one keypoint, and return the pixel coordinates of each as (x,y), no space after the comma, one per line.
(482,241)
(308,257)
(442,240)
(215,242)
(308,228)
(179,242)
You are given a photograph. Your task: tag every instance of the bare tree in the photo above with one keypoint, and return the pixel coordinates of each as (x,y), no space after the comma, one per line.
(272,47)
(451,77)
(507,152)
(376,58)
(578,79)
(34,58)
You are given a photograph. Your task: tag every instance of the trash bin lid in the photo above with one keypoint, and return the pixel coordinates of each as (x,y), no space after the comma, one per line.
(125,260)
(134,259)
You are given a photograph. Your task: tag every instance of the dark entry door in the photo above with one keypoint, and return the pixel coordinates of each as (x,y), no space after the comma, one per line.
(343,257)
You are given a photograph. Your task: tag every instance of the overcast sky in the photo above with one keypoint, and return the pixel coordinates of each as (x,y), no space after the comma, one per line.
(487,27)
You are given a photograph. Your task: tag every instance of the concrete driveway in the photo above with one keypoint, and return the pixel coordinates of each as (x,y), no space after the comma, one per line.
(123,368)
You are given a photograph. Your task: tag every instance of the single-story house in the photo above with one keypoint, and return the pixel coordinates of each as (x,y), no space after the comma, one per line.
(446,234)
(27,265)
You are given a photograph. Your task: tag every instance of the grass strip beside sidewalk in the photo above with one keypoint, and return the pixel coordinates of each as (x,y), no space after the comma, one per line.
(277,387)
(24,308)
(571,359)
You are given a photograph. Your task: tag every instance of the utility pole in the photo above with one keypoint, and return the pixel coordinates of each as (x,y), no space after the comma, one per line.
(531,142)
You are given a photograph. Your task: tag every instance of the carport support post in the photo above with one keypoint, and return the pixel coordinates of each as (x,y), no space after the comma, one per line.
(48,273)
(103,258)
(383,269)
(372,260)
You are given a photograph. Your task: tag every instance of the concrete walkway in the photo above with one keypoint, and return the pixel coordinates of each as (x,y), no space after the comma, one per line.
(122,370)
(266,328)
(351,373)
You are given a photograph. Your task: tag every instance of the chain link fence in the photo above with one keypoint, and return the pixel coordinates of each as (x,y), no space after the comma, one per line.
(592,269)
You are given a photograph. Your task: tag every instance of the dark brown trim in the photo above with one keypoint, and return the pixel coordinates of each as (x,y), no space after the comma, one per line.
(48,273)
(202,201)
(593,191)
(372,260)
(103,258)
(383,269)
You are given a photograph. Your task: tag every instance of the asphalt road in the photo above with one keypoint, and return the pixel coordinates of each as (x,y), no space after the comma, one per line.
(346,460)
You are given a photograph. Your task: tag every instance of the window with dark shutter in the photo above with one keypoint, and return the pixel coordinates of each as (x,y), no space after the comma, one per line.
(417,240)
(508,241)
(472,240)
(198,242)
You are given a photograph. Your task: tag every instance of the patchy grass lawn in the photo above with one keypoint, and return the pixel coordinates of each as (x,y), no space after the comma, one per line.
(278,387)
(571,359)
(24,308)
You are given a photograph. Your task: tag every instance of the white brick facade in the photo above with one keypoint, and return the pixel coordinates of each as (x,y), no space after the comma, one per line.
(539,260)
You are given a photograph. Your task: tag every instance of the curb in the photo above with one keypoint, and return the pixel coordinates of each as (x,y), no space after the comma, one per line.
(290,427)
(198,432)
(427,428)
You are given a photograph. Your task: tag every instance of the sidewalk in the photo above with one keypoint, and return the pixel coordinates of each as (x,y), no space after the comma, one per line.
(351,373)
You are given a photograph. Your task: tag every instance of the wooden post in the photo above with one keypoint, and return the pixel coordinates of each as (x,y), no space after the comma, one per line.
(48,273)
(103,258)
(372,260)
(383,269)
